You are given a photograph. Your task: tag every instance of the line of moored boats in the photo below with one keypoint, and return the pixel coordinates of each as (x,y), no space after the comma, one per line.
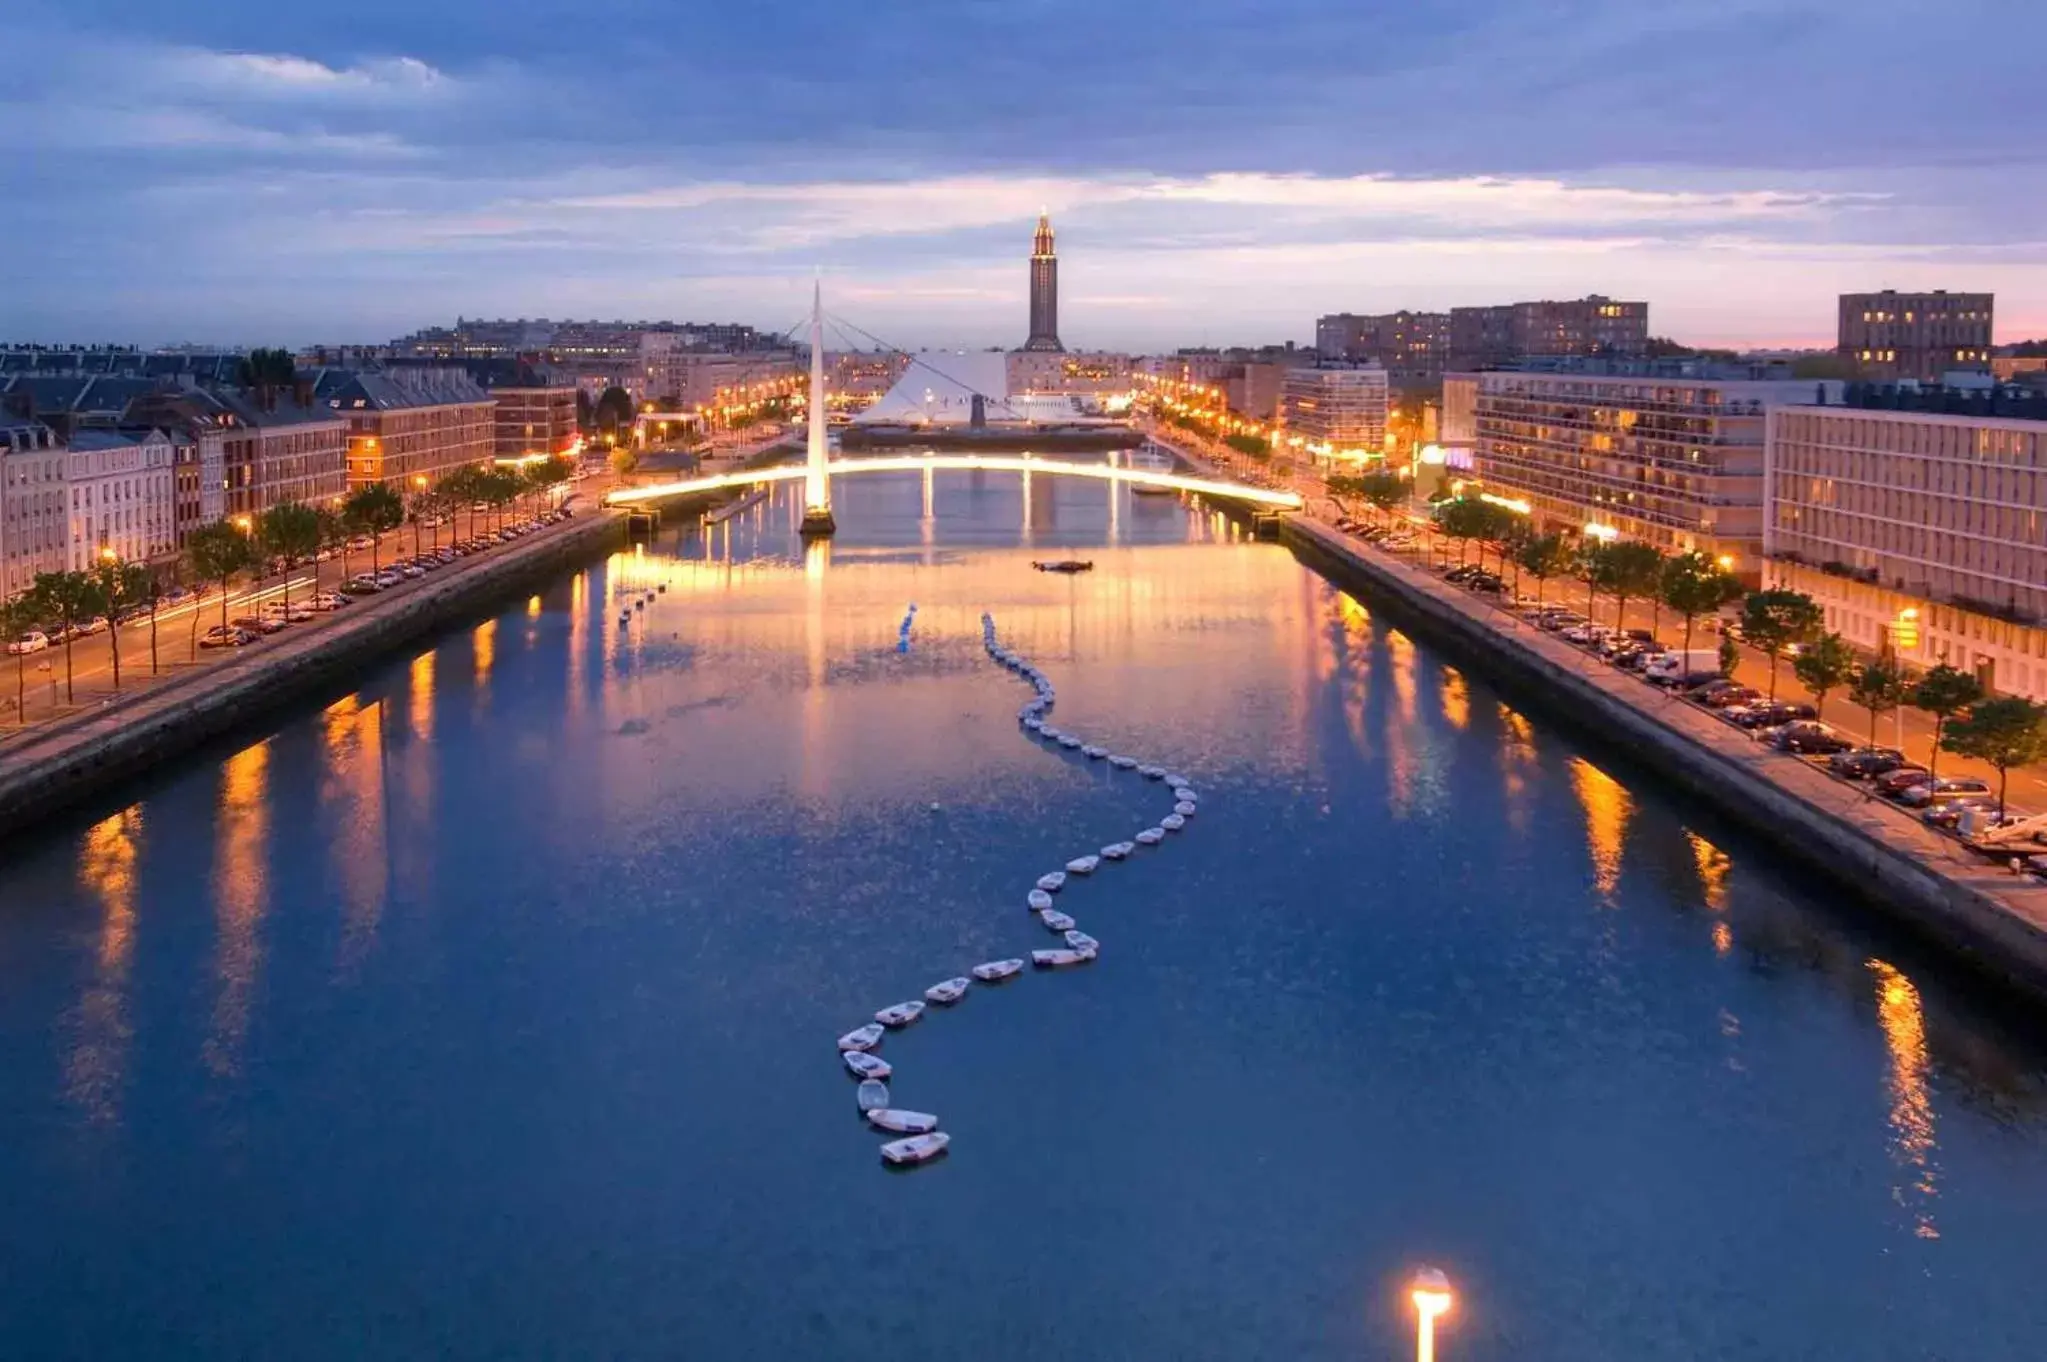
(922,1140)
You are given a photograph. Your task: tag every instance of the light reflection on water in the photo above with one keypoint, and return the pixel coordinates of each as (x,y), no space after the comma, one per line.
(520,960)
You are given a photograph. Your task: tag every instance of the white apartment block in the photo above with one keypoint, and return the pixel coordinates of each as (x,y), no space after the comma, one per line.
(1920,533)
(1337,416)
(34,529)
(121,496)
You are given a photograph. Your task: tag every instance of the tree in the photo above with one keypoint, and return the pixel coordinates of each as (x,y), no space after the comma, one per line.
(463,488)
(2006,732)
(67,600)
(290,531)
(1730,657)
(216,553)
(1590,567)
(17,617)
(1544,557)
(1461,519)
(375,510)
(586,413)
(1694,585)
(334,536)
(1630,568)
(120,587)
(1825,664)
(614,409)
(1878,688)
(1943,692)
(624,460)
(1776,619)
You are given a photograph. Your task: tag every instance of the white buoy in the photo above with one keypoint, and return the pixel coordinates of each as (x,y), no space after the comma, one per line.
(1038,900)
(1172,822)
(1184,809)
(1053,882)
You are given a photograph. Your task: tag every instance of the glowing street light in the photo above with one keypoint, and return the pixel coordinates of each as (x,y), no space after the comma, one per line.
(1430,1291)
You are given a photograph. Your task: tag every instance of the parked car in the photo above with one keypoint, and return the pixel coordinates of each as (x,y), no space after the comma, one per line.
(1949,814)
(257,624)
(1861,763)
(1895,782)
(1721,694)
(225,636)
(298,612)
(34,641)
(1767,714)
(1942,790)
(360,586)
(1810,738)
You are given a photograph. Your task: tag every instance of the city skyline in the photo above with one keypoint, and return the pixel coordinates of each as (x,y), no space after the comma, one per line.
(1225,177)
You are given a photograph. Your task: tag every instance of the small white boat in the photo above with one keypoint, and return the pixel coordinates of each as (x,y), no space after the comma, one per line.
(916,1149)
(1047,731)
(1185,808)
(902,1014)
(1152,772)
(1176,781)
(1057,959)
(1151,837)
(1056,920)
(1083,865)
(950,991)
(865,1065)
(1034,725)
(995,971)
(862,1038)
(1053,882)
(1123,763)
(1094,753)
(872,1094)
(1081,941)
(1184,794)
(1172,822)
(1039,900)
(902,1122)
(1068,740)
(1116,851)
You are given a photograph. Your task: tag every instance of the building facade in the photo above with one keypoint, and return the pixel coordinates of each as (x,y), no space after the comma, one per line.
(1920,533)
(1481,337)
(1335,415)
(538,420)
(119,498)
(410,428)
(35,534)
(1035,371)
(198,455)
(276,447)
(1412,347)
(1044,290)
(689,380)
(1671,459)
(1921,336)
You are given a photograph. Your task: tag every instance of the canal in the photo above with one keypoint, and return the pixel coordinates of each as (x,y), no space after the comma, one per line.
(488,1011)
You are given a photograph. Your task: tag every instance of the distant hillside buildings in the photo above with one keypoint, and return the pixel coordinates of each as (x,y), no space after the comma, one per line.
(1416,347)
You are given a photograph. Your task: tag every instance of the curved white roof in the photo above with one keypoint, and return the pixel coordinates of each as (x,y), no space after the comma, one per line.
(939,389)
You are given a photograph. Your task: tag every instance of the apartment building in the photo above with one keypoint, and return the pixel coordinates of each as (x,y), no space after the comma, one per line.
(277,446)
(1410,346)
(684,380)
(1047,371)
(1921,532)
(1335,415)
(198,454)
(410,427)
(119,497)
(534,420)
(1481,337)
(1921,336)
(1671,454)
(34,526)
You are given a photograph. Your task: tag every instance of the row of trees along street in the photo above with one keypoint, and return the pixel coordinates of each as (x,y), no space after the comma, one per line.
(2004,732)
(277,542)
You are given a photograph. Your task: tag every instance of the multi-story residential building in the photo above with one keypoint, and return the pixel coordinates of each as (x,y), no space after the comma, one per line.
(35,531)
(1336,415)
(119,497)
(278,446)
(1481,337)
(1668,453)
(535,420)
(1921,532)
(1919,336)
(1410,346)
(198,454)
(684,380)
(410,427)
(1047,371)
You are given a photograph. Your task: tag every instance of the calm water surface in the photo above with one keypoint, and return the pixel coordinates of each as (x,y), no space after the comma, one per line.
(488,1011)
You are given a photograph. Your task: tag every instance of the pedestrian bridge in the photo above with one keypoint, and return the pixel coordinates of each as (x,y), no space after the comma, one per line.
(996,463)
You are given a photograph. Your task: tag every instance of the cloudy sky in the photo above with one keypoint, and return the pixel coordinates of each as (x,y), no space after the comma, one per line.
(1219,172)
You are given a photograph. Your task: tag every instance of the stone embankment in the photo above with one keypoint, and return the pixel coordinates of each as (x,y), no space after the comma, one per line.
(1993,920)
(77,758)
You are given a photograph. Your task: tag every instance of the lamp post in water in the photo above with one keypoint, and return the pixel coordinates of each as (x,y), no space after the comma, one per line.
(1430,1292)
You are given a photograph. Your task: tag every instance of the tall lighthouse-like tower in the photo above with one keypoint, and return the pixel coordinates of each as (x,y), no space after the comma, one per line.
(1044,291)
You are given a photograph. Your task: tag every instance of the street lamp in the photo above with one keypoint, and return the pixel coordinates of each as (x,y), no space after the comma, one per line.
(1430,1291)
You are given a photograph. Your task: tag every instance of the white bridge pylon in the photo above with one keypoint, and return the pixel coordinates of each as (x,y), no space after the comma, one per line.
(994,463)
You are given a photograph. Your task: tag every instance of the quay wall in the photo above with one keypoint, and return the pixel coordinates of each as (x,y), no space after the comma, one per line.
(77,758)
(1880,854)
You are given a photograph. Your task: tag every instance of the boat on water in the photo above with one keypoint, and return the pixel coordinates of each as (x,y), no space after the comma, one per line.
(1116,851)
(901,1014)
(902,1122)
(1056,959)
(1094,753)
(1056,920)
(1123,763)
(872,1094)
(1081,941)
(1152,772)
(1176,781)
(916,1149)
(1185,808)
(1151,837)
(1053,882)
(1083,865)
(949,991)
(1173,822)
(1038,900)
(1065,565)
(1184,794)
(865,1065)
(862,1038)
(995,971)
(1068,740)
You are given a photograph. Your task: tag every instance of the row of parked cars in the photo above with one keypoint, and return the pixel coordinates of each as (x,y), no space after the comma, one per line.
(1397,539)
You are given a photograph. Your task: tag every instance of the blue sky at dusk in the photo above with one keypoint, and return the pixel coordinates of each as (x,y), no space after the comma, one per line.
(249,171)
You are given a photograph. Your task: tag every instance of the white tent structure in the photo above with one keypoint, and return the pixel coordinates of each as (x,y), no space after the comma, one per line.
(939,389)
